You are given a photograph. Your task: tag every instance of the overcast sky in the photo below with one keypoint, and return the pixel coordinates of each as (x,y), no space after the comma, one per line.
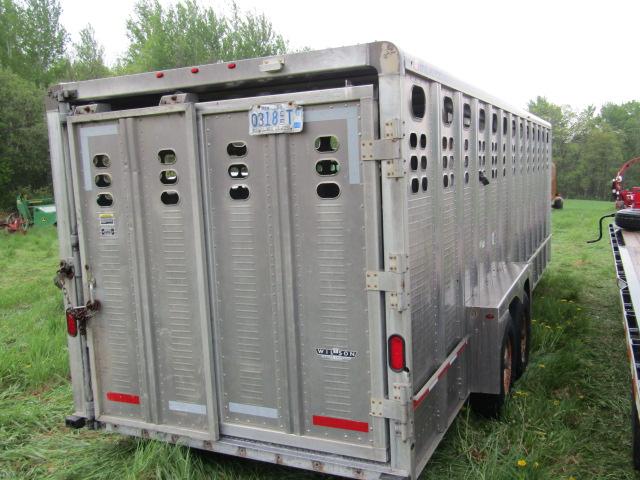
(573,52)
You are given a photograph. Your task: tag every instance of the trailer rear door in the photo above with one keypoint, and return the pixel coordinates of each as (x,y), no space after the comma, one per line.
(293,226)
(139,209)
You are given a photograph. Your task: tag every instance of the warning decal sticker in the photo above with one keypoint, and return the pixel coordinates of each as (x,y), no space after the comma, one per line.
(107,224)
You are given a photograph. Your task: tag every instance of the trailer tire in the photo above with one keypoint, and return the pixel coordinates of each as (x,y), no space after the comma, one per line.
(522,322)
(636,434)
(628,218)
(490,404)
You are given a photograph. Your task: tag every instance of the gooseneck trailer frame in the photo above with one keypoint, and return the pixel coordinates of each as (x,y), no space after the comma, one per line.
(311,259)
(626,256)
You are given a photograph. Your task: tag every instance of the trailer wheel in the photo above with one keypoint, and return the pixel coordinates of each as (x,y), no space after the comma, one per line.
(522,321)
(628,218)
(490,404)
(636,434)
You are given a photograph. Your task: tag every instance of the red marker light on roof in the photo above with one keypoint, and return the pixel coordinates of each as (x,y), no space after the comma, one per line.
(397,358)
(231,66)
(489,316)
(195,70)
(159,74)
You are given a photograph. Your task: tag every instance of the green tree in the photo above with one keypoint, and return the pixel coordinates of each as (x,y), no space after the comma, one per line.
(32,39)
(624,119)
(24,159)
(88,60)
(188,34)
(600,157)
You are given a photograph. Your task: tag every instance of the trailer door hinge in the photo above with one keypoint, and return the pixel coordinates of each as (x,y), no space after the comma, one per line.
(391,409)
(91,108)
(178,98)
(396,409)
(386,151)
(390,282)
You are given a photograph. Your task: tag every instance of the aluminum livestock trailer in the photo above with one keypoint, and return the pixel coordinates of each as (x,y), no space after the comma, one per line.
(311,259)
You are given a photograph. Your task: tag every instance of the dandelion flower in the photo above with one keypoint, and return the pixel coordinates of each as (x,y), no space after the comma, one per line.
(522,463)
(541,365)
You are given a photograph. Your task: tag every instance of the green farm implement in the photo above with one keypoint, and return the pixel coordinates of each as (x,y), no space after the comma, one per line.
(30,212)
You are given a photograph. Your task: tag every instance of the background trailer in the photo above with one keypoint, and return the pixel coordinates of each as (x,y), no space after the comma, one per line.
(311,259)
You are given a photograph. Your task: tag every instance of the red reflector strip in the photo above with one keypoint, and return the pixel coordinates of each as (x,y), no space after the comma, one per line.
(123,398)
(440,372)
(342,423)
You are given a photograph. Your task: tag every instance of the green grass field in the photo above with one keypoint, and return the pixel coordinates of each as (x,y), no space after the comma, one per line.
(569,416)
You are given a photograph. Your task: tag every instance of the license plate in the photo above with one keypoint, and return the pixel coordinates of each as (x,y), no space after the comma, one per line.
(275,118)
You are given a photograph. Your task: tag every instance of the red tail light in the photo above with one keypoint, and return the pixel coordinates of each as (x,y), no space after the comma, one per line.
(397,358)
(72,324)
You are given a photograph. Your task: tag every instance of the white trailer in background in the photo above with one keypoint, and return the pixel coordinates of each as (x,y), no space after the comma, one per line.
(311,259)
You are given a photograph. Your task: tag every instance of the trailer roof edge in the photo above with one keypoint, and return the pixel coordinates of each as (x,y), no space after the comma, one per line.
(384,56)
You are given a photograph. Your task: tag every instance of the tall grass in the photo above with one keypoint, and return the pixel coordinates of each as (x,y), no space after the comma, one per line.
(568,417)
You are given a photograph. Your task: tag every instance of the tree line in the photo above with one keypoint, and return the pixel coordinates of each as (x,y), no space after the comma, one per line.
(589,147)
(36,51)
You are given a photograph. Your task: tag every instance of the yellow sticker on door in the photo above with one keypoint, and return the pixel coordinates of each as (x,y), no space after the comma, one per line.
(107,224)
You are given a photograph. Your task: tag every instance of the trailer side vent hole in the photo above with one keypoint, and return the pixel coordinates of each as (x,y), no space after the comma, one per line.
(423,162)
(466,177)
(444,143)
(445,181)
(170,197)
(414,162)
(444,162)
(466,115)
(101,161)
(425,184)
(481,120)
(327,167)
(494,123)
(466,161)
(513,128)
(237,149)
(418,101)
(447,111)
(466,144)
(105,200)
(415,185)
(168,177)
(239,192)
(423,141)
(413,140)
(238,170)
(328,190)
(452,182)
(505,125)
(103,180)
(327,144)
(450,143)
(167,157)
